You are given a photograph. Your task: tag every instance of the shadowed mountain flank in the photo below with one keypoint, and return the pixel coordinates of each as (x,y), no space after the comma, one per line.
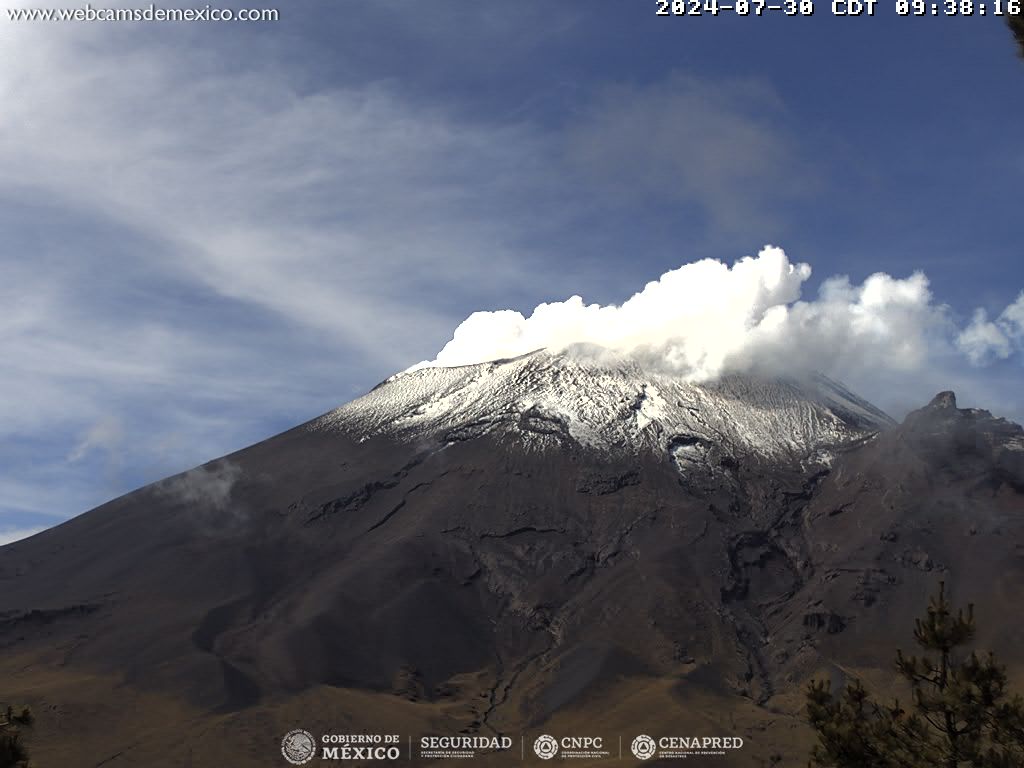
(526,544)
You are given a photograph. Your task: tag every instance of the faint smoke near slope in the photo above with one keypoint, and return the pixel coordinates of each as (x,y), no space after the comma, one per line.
(206,488)
(707,318)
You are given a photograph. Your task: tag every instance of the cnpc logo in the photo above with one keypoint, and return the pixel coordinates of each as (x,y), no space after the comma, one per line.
(547,747)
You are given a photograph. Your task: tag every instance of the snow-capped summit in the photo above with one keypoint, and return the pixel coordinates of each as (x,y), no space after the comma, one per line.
(612,405)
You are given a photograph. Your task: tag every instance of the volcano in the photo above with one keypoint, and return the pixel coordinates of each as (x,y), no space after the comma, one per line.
(556,544)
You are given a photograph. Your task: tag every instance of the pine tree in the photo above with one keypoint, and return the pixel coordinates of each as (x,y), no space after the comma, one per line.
(962,714)
(13,753)
(1016,23)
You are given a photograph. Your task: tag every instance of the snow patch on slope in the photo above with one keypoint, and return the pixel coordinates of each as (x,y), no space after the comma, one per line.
(612,406)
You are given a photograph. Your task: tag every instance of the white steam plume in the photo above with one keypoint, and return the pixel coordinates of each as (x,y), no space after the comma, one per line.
(706,318)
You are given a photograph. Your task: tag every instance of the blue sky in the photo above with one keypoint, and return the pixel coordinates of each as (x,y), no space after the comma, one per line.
(212,232)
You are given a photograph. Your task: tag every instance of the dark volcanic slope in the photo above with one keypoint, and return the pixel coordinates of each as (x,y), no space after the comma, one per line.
(462,580)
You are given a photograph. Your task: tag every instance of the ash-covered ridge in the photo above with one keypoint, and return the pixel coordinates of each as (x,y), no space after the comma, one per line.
(613,406)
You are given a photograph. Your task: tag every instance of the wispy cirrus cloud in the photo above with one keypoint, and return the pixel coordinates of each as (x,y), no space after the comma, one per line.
(190,248)
(191,245)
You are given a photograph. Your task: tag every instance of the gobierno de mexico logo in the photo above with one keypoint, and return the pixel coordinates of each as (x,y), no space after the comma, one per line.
(298,746)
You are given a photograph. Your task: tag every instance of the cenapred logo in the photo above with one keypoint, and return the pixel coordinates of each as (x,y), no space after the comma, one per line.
(298,746)
(546,747)
(643,747)
(681,747)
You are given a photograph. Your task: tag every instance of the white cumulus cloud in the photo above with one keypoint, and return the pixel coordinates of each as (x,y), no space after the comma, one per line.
(1013,317)
(984,340)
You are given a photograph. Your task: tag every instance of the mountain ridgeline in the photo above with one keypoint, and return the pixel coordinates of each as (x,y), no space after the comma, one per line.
(538,544)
